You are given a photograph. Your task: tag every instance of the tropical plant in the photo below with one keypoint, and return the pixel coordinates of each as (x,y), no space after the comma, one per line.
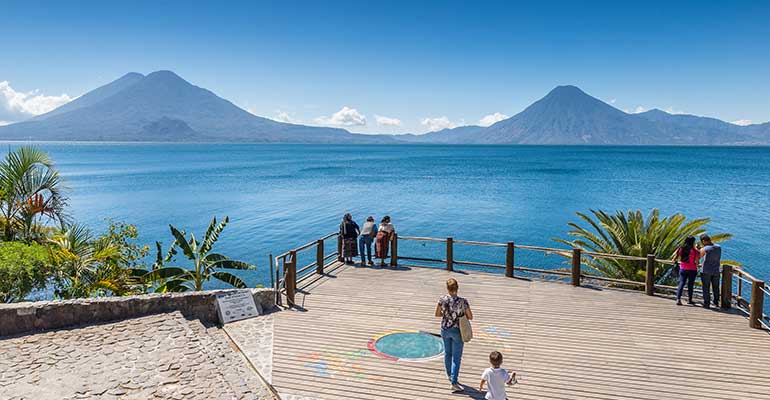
(23,268)
(30,191)
(205,264)
(95,266)
(634,235)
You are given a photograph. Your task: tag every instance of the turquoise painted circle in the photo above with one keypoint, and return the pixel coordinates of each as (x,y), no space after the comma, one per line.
(410,345)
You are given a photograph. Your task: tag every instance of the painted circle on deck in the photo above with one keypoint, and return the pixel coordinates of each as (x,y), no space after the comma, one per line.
(407,346)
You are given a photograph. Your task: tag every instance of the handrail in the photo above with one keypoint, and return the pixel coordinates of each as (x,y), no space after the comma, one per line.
(579,256)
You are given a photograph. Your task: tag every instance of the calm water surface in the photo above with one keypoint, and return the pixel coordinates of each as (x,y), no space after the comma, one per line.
(281,196)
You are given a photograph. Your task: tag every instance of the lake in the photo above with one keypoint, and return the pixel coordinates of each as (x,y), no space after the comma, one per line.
(281,196)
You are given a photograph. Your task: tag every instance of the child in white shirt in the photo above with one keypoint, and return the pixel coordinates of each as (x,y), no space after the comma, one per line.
(496,378)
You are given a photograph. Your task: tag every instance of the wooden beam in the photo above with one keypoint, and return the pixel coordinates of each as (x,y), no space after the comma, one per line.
(756,304)
(509,259)
(291,277)
(727,287)
(649,279)
(394,250)
(450,261)
(575,267)
(319,257)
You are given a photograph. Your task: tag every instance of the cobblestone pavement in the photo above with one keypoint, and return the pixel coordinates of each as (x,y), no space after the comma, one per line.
(255,338)
(161,356)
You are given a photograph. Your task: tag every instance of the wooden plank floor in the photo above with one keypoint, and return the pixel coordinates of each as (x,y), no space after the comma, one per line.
(565,342)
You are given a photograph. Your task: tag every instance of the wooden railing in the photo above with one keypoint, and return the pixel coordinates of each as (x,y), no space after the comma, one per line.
(732,278)
(288,276)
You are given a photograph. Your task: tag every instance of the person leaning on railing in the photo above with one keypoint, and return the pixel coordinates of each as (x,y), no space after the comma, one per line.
(349,231)
(368,235)
(712,258)
(687,258)
(385,232)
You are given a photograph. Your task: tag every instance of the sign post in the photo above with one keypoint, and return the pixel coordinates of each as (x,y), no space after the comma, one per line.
(236,305)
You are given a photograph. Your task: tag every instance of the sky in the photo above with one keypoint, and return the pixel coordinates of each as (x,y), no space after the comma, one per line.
(394,67)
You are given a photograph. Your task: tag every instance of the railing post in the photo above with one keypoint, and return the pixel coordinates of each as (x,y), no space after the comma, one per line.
(727,286)
(339,247)
(291,277)
(394,251)
(757,302)
(450,256)
(509,260)
(319,257)
(649,279)
(575,267)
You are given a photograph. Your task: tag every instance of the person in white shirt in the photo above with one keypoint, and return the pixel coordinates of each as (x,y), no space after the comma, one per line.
(496,378)
(368,234)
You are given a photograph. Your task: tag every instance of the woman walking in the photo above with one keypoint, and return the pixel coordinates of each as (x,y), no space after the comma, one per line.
(368,234)
(450,308)
(349,232)
(687,257)
(385,233)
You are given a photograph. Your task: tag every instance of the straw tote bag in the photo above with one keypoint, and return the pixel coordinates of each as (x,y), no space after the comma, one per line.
(466,332)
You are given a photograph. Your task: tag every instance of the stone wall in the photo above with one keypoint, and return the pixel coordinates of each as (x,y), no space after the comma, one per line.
(20,318)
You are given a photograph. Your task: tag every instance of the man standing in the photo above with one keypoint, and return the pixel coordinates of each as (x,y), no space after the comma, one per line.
(712,258)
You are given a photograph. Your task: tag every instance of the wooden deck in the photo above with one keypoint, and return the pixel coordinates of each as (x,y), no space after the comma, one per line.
(566,342)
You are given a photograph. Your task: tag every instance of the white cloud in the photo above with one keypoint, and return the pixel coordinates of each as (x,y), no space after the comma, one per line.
(637,110)
(437,123)
(16,106)
(283,116)
(3,123)
(613,101)
(492,118)
(742,122)
(344,117)
(387,121)
(671,110)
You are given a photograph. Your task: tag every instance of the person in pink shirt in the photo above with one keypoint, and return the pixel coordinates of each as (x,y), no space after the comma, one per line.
(687,257)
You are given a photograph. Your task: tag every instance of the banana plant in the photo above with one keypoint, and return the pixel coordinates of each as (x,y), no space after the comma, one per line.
(205,264)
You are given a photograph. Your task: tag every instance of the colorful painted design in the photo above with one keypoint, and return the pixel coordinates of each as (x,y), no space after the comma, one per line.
(372,346)
(325,364)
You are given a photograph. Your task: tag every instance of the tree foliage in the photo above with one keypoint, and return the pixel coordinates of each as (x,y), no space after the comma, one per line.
(30,194)
(23,268)
(631,233)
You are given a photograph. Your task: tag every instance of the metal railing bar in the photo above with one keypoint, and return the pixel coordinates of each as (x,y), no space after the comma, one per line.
(542,271)
(306,267)
(478,264)
(613,280)
(489,244)
(423,239)
(400,257)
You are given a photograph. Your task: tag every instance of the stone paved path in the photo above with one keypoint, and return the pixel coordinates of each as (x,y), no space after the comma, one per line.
(255,338)
(161,356)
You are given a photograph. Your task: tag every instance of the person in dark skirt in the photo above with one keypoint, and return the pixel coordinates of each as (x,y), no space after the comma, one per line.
(385,233)
(349,232)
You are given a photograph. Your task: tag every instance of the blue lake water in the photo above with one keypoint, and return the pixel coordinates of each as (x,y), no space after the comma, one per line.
(281,196)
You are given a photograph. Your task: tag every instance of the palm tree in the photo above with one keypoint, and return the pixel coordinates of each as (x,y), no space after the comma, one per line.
(88,266)
(205,265)
(634,235)
(30,190)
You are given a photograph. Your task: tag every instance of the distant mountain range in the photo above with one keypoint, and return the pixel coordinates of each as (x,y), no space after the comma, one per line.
(162,106)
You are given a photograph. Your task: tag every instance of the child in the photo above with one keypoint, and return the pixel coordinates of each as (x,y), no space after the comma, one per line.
(496,378)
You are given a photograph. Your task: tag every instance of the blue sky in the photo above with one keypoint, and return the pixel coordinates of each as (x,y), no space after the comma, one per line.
(424,65)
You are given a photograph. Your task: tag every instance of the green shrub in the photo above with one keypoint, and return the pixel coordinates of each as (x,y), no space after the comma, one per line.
(23,268)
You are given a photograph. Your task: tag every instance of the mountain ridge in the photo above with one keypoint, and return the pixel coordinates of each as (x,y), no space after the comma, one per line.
(162,106)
